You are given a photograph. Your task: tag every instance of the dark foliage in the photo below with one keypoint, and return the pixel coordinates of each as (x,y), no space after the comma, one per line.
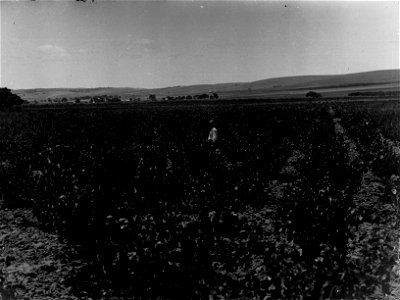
(269,210)
(8,100)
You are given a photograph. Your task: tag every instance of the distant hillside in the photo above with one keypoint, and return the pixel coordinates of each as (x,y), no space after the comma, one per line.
(385,77)
(356,79)
(43,94)
(329,85)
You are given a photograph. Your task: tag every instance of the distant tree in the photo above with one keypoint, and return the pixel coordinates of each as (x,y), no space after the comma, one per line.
(215,95)
(114,99)
(9,100)
(312,94)
(152,97)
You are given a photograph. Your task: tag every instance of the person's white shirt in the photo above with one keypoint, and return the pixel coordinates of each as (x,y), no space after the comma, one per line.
(213,135)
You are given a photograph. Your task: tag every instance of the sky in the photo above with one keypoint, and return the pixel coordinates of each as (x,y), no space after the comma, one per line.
(53,44)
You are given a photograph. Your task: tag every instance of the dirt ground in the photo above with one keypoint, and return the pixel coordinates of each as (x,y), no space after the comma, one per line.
(34,264)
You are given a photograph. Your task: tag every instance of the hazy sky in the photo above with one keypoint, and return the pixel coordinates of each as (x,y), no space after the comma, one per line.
(157,44)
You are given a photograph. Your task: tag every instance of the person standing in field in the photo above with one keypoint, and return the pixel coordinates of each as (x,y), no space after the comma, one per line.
(213,135)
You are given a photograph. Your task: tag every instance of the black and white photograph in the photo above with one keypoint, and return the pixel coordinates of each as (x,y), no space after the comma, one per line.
(190,150)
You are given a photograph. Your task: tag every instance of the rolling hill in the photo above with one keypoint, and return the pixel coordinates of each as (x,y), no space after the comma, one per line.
(295,86)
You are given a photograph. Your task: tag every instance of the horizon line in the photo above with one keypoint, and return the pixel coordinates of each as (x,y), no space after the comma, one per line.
(198,84)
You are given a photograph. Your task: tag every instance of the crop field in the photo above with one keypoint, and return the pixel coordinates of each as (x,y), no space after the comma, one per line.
(293,201)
